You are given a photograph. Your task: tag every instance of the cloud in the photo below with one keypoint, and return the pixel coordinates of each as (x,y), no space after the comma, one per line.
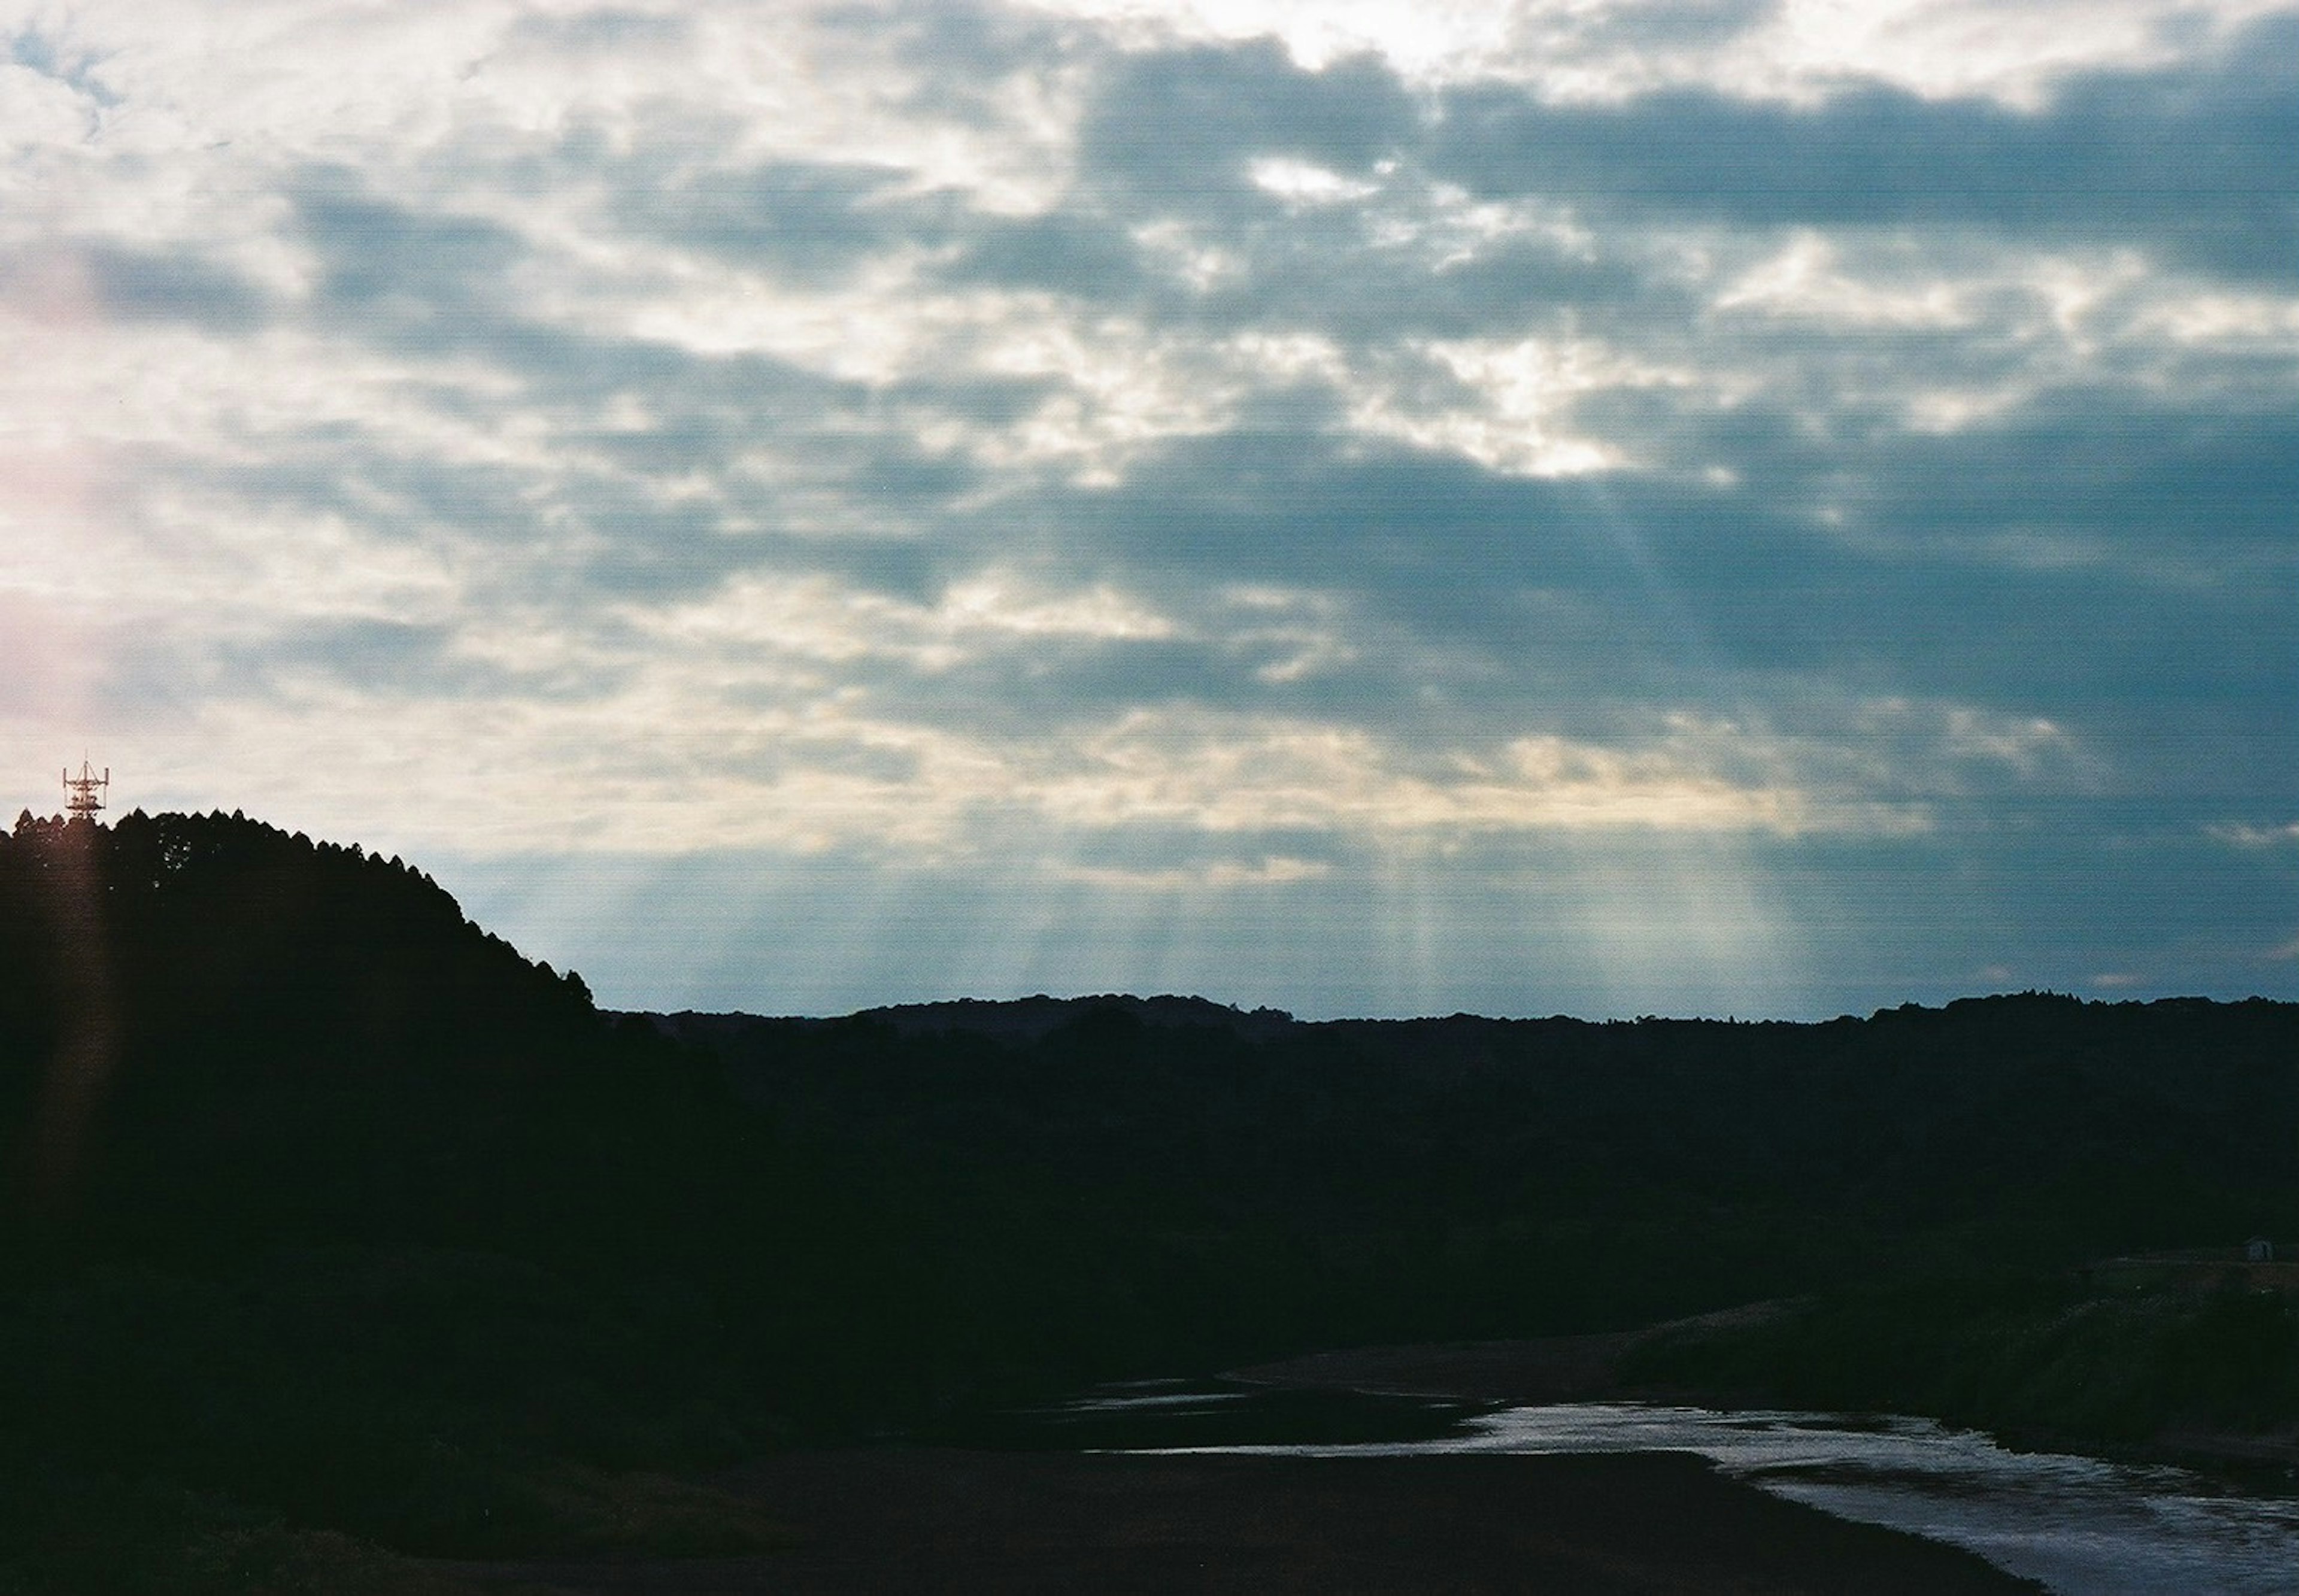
(2256,836)
(2188,160)
(137,285)
(1186,126)
(1274,870)
(1365,460)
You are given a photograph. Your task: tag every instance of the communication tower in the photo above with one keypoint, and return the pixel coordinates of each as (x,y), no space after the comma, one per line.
(87,789)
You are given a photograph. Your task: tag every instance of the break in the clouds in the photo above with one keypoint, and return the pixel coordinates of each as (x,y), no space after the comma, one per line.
(1699,504)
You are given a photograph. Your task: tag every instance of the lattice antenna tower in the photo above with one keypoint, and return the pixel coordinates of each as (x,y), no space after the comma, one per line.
(87,790)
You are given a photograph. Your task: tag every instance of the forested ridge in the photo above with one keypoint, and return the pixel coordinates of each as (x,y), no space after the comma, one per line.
(2099,1124)
(337,1229)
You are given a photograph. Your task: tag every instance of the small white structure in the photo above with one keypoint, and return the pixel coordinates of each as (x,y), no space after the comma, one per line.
(2259,1250)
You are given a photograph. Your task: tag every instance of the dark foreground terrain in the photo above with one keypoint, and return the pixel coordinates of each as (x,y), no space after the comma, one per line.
(949,1521)
(341,1245)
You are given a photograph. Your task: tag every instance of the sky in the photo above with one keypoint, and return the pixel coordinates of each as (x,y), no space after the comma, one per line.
(1758,507)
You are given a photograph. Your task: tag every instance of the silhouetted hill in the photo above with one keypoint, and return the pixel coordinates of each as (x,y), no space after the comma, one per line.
(2056,1123)
(1168,1194)
(236,935)
(328,1211)
(211,1030)
(1023,1019)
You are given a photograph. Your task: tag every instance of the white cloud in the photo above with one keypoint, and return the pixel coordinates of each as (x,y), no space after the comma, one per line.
(2237,835)
(1222,875)
(1950,47)
(1303,182)
(813,619)
(1808,282)
(1519,397)
(37,111)
(2023,744)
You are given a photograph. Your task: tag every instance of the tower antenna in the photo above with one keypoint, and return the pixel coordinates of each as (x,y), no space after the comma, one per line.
(87,789)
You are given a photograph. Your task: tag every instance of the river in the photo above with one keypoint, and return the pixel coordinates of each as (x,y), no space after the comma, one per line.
(2082,1526)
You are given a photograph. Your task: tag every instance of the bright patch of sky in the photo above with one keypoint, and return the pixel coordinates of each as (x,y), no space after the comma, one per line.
(1756,506)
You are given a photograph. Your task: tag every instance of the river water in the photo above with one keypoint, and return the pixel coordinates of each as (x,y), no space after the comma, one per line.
(2082,1526)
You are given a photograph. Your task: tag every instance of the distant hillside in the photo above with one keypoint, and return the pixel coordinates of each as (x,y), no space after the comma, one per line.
(1011,1021)
(2053,1122)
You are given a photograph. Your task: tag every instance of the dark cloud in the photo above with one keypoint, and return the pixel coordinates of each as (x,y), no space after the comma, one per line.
(1184,126)
(1084,256)
(851,483)
(574,537)
(806,222)
(966,57)
(2194,495)
(1429,533)
(140,285)
(379,257)
(390,656)
(2193,159)
(1463,598)
(148,285)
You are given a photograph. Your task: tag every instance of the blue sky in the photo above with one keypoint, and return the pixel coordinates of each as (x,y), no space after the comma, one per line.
(1700,506)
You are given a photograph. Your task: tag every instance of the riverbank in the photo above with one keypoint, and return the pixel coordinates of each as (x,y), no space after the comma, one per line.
(1603,1368)
(958,1522)
(1521,1373)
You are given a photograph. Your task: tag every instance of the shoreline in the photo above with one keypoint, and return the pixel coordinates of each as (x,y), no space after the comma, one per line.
(1542,1371)
(968,1523)
(1531,1371)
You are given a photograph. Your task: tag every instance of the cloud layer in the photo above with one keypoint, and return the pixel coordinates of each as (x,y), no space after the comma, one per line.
(1617,507)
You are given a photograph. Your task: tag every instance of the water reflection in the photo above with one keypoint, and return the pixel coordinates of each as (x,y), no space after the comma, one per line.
(1195,1415)
(2083,1526)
